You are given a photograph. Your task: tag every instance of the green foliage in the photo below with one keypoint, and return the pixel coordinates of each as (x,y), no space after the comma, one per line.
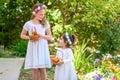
(58,30)
(19,48)
(81,59)
(109,38)
(86,19)
(52,48)
(13,16)
(3,55)
(55,17)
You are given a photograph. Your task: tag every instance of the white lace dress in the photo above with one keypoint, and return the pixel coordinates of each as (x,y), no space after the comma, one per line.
(37,52)
(65,71)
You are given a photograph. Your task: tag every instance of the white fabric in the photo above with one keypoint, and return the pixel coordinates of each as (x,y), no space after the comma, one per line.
(37,52)
(65,71)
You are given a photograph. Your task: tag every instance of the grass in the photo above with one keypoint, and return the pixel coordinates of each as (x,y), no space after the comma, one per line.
(27,74)
(7,54)
(2,55)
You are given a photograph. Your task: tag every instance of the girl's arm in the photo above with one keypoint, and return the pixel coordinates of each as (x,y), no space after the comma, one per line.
(65,61)
(69,58)
(23,34)
(48,35)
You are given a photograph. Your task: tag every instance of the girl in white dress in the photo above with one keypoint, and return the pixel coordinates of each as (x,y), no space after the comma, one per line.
(64,69)
(37,57)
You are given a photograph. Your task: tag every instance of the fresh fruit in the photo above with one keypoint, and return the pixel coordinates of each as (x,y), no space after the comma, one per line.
(34,33)
(55,60)
(34,36)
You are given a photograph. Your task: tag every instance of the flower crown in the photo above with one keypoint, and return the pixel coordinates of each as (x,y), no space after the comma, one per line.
(38,8)
(68,38)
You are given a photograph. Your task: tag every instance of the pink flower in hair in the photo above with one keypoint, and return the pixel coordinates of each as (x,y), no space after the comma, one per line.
(33,12)
(38,8)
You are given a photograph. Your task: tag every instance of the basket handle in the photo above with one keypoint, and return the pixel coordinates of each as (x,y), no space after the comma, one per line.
(62,53)
(33,29)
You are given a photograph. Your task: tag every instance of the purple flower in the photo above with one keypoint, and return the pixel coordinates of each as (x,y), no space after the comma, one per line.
(98,77)
(110,56)
(97,60)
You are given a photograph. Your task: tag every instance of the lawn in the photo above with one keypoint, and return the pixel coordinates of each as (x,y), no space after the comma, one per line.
(27,75)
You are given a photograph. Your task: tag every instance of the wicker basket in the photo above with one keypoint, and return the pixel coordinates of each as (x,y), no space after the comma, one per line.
(34,36)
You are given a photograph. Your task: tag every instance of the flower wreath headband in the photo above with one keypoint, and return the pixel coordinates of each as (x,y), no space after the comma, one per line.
(68,38)
(39,7)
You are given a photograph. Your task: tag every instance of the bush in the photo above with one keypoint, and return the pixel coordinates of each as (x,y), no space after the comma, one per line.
(109,38)
(19,48)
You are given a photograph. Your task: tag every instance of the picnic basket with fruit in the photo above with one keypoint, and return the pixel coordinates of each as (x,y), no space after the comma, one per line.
(34,36)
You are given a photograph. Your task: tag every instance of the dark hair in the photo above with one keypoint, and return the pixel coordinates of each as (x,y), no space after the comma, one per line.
(35,9)
(69,38)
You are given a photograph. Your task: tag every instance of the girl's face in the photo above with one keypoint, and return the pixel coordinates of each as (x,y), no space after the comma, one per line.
(40,14)
(62,42)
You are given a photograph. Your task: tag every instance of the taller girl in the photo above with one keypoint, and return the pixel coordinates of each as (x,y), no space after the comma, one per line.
(37,57)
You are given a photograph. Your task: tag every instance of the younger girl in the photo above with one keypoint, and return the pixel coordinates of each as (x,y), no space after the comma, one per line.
(38,28)
(64,69)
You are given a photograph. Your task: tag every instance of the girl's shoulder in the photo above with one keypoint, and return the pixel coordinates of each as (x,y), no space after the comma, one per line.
(27,25)
(58,49)
(66,49)
(27,22)
(69,50)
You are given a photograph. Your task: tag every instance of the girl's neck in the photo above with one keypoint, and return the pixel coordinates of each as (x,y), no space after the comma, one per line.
(64,47)
(35,21)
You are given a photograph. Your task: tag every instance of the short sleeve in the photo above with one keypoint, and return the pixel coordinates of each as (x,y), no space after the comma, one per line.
(26,26)
(47,25)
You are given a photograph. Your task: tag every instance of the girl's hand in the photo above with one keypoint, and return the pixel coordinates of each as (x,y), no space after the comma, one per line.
(60,62)
(42,36)
(35,39)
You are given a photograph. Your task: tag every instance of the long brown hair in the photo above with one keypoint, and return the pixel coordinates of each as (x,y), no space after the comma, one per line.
(35,9)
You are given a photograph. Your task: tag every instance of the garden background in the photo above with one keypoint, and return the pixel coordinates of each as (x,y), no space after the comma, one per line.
(95,23)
